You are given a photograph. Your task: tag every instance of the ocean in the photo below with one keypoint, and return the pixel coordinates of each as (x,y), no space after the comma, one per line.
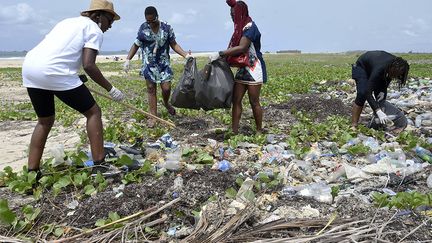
(21,54)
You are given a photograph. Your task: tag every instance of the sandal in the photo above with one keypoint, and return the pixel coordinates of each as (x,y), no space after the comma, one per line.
(171,110)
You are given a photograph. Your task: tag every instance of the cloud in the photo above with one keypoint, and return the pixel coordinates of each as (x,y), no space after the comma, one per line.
(416,27)
(410,33)
(20,13)
(183,18)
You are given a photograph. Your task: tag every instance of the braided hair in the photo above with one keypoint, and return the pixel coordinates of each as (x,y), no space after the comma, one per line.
(400,65)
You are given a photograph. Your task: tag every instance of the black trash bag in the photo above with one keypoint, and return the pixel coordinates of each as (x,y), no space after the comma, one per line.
(183,95)
(215,89)
(395,114)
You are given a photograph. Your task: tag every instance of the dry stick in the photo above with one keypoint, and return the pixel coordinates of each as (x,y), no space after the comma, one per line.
(151,214)
(134,108)
(332,218)
(105,226)
(384,225)
(414,230)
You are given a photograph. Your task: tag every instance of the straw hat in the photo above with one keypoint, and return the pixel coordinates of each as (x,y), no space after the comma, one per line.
(102,5)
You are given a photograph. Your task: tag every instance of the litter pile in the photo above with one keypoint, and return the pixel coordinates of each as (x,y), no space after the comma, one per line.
(208,191)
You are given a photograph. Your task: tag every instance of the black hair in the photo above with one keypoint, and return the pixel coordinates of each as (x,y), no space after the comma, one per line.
(401,66)
(150,10)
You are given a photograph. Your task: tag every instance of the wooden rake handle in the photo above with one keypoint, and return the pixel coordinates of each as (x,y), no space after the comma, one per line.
(134,108)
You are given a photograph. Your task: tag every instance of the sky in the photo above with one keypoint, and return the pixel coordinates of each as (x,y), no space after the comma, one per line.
(311,26)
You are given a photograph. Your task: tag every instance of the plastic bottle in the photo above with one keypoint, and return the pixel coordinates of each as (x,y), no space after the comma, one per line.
(398,154)
(424,154)
(172,161)
(288,191)
(429,181)
(372,143)
(178,183)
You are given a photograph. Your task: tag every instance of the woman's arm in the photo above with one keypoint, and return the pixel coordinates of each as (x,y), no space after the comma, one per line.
(90,67)
(243,47)
(134,48)
(177,48)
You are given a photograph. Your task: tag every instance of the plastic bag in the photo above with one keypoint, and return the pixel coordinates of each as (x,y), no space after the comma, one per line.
(395,114)
(216,86)
(183,95)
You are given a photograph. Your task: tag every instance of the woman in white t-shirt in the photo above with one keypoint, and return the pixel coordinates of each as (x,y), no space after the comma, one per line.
(51,69)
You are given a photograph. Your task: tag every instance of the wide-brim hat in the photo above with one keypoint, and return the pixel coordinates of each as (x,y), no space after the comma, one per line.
(102,5)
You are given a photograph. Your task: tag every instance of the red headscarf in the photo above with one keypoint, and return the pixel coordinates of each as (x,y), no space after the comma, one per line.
(241,18)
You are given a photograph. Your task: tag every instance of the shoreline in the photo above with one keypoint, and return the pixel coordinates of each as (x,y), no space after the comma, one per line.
(14,62)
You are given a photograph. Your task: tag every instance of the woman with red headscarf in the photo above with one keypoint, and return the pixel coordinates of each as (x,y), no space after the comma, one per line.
(246,40)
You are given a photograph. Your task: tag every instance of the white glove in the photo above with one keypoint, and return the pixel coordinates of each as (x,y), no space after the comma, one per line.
(188,56)
(126,65)
(214,56)
(380,96)
(383,118)
(116,94)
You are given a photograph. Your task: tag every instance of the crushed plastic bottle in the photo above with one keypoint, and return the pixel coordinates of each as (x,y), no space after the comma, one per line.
(172,161)
(58,153)
(372,143)
(177,186)
(319,191)
(288,191)
(424,154)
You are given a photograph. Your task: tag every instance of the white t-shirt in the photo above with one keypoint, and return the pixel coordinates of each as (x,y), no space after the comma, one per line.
(54,63)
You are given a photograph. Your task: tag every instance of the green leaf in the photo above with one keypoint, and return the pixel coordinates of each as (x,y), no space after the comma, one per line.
(113,216)
(100,222)
(6,215)
(89,190)
(231,193)
(249,195)
(30,213)
(124,160)
(188,152)
(204,158)
(239,182)
(31,177)
(263,177)
(58,231)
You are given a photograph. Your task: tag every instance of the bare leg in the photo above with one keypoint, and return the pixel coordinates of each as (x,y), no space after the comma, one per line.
(355,117)
(237,109)
(152,100)
(95,132)
(254,94)
(166,92)
(38,140)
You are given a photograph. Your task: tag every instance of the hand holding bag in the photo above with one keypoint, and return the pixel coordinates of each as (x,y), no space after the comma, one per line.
(239,61)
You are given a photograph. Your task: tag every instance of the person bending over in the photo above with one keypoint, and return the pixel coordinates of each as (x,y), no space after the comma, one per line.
(51,69)
(373,72)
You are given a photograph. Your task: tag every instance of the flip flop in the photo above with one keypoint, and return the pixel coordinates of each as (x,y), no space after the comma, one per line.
(171,110)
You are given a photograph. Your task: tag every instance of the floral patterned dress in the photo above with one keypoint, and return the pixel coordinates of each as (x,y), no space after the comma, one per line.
(155,52)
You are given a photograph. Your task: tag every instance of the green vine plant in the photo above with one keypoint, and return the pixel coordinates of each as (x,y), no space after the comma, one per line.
(402,200)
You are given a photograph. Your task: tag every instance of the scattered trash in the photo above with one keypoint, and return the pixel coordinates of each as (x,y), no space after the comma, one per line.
(424,154)
(224,165)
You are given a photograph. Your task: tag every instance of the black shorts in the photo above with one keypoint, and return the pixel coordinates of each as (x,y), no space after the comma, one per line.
(42,100)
